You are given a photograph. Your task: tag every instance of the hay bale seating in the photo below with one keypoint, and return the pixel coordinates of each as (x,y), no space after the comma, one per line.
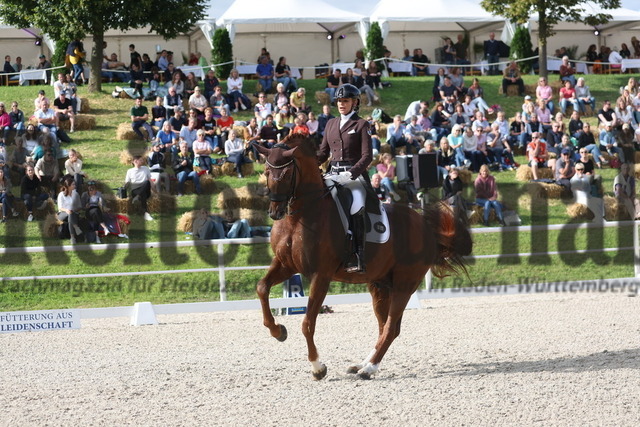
(85,107)
(512,90)
(524,173)
(229,169)
(248,197)
(83,122)
(50,226)
(254,217)
(580,211)
(20,207)
(124,132)
(614,210)
(543,190)
(478,215)
(126,156)
(154,203)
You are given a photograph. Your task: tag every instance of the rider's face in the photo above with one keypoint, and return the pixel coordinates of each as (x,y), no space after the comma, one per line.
(345,105)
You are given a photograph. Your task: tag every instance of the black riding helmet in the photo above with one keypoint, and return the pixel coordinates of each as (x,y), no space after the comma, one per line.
(349,91)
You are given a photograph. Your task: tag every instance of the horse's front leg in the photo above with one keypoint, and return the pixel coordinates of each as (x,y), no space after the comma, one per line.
(277,273)
(317,293)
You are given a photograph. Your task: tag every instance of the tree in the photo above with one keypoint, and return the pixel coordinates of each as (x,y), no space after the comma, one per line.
(73,19)
(375,46)
(222,52)
(521,47)
(549,13)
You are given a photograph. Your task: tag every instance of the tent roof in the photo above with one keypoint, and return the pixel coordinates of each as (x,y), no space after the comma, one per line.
(287,15)
(625,17)
(432,15)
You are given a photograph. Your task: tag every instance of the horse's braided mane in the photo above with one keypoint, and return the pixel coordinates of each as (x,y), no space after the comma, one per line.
(306,145)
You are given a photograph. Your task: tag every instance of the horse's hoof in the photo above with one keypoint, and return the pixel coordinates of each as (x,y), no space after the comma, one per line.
(320,375)
(283,334)
(353,369)
(364,375)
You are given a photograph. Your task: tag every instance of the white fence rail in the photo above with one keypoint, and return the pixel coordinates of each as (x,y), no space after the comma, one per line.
(139,313)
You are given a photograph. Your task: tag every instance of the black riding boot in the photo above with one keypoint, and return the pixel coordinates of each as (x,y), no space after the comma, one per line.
(356,263)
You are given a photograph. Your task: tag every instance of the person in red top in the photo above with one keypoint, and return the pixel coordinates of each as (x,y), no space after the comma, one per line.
(567,71)
(537,153)
(568,95)
(300,124)
(225,124)
(5,123)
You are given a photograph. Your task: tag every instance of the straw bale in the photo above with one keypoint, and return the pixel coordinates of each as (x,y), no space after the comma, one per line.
(228,168)
(50,226)
(124,132)
(262,179)
(85,107)
(159,202)
(614,210)
(542,190)
(524,173)
(465,176)
(579,211)
(207,184)
(126,156)
(254,216)
(83,122)
(478,215)
(50,208)
(247,197)
(185,223)
(323,97)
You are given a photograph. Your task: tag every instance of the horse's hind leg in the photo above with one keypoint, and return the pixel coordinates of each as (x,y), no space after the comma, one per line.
(391,329)
(317,293)
(277,273)
(380,299)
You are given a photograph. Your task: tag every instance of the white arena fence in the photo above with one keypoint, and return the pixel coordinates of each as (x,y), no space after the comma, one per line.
(144,312)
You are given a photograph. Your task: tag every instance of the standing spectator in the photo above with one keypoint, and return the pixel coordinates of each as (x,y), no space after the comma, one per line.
(139,116)
(138,180)
(76,53)
(492,53)
(487,195)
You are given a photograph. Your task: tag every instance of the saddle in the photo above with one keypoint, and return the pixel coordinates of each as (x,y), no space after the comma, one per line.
(376,220)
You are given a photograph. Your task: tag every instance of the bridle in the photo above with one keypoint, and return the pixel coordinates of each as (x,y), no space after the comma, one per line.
(283,197)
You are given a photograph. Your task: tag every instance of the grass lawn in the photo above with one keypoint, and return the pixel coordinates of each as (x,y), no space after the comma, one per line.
(101,153)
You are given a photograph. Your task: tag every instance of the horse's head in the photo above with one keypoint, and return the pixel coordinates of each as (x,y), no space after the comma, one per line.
(281,177)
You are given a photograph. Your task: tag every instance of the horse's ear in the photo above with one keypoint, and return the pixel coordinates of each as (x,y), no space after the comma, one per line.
(262,149)
(289,153)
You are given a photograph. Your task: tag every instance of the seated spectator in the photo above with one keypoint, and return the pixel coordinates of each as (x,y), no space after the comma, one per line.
(609,140)
(446,156)
(448,89)
(333,82)
(177,83)
(158,113)
(136,81)
(94,206)
(166,138)
(297,101)
(48,172)
(234,89)
(198,102)
(487,195)
(476,93)
(183,168)
(615,59)
(512,76)
(178,121)
(415,132)
(5,124)
(18,159)
(6,198)
(480,121)
(624,188)
(47,118)
(44,64)
(544,93)
(209,125)
(210,82)
(583,95)
(452,188)
(138,180)
(460,117)
(269,134)
(172,102)
(312,125)
(218,102)
(582,188)
(429,147)
(64,110)
(414,109)
(324,118)
(262,109)
(564,169)
(468,154)
(17,119)
(575,124)
(73,167)
(373,76)
(234,148)
(139,116)
(264,74)
(188,134)
(380,190)
(554,139)
(280,99)
(606,114)
(587,142)
(300,125)
(387,173)
(283,75)
(31,192)
(190,85)
(498,149)
(544,114)
(69,206)
(568,96)
(537,154)
(397,137)
(457,80)
(159,178)
(440,122)
(117,69)
(421,63)
(567,71)
(224,125)
(202,152)
(624,114)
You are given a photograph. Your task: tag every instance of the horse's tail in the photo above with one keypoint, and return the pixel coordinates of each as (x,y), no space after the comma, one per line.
(452,236)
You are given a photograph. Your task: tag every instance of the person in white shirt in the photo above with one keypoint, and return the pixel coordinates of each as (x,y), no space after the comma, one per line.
(234,148)
(68,207)
(414,109)
(138,180)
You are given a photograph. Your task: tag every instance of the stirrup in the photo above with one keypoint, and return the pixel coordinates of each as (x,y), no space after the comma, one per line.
(356,267)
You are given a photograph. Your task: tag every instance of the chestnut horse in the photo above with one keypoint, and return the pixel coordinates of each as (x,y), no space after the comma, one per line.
(308,238)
